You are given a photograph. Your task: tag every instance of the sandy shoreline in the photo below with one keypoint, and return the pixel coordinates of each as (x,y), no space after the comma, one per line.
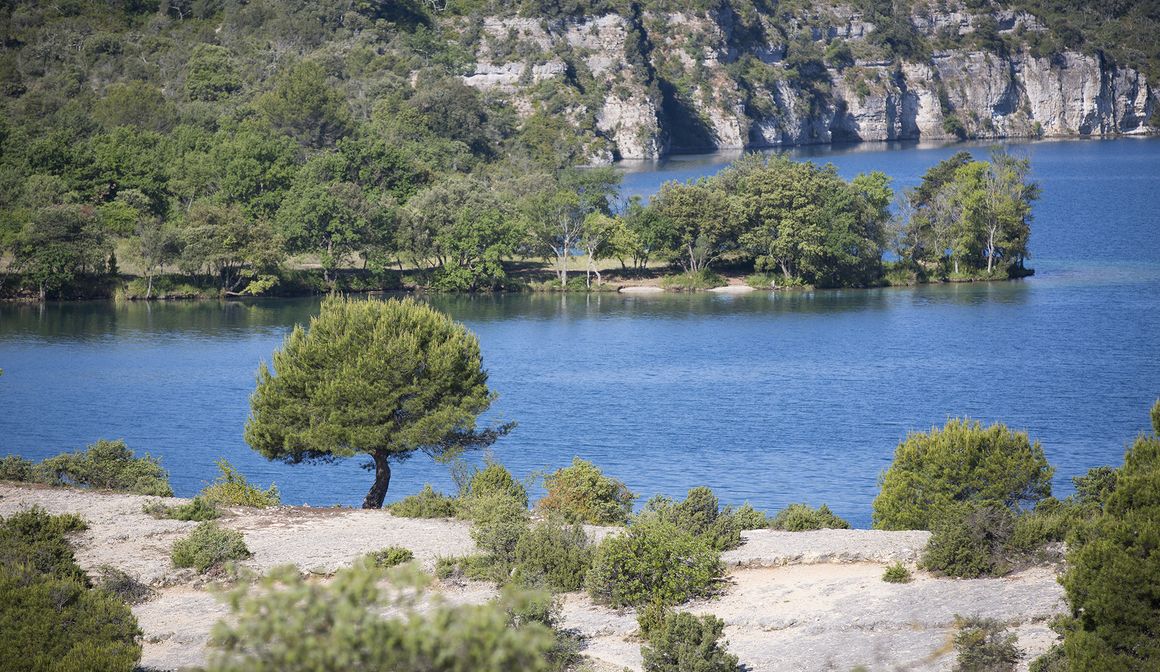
(794,601)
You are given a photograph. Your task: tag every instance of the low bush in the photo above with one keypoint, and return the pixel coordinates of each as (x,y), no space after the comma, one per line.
(49,616)
(390,556)
(699,514)
(125,587)
(962,463)
(495,479)
(800,517)
(16,468)
(208,547)
(530,607)
(553,555)
(897,573)
(231,488)
(498,521)
(581,493)
(984,645)
(970,541)
(327,626)
(35,541)
(106,465)
(745,517)
(425,504)
(479,567)
(653,561)
(682,642)
(1055,660)
(692,281)
(196,510)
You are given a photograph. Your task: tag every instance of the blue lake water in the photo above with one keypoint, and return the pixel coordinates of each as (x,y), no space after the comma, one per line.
(767,398)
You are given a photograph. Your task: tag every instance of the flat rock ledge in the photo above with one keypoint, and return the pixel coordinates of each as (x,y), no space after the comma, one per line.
(773,548)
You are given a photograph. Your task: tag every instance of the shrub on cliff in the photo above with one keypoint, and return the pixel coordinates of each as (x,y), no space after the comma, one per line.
(800,517)
(105,465)
(682,642)
(425,504)
(970,541)
(653,561)
(495,479)
(554,555)
(1114,570)
(962,463)
(581,493)
(208,547)
(984,645)
(49,616)
(198,510)
(701,515)
(231,488)
(340,625)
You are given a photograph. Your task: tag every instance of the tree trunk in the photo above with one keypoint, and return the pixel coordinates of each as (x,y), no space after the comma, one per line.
(378,491)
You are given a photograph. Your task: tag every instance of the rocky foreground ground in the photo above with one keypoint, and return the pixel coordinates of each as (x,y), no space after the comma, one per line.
(795,600)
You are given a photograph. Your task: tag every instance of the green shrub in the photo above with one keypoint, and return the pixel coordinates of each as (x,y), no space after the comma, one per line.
(800,517)
(745,517)
(685,643)
(35,541)
(196,510)
(16,468)
(1095,486)
(49,616)
(230,488)
(125,587)
(426,504)
(693,281)
(479,567)
(496,479)
(553,555)
(970,541)
(327,626)
(390,556)
(961,463)
(107,465)
(581,493)
(984,645)
(1055,660)
(498,521)
(208,547)
(699,514)
(653,561)
(527,607)
(1114,569)
(897,573)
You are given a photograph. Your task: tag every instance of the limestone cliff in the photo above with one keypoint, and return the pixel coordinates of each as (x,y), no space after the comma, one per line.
(656,84)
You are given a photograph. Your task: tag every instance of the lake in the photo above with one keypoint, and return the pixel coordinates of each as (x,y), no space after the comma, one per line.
(767,398)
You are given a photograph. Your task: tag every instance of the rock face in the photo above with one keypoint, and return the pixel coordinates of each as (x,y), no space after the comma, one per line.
(656,84)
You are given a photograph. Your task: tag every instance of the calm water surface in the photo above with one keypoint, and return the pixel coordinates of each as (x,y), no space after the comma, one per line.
(766,398)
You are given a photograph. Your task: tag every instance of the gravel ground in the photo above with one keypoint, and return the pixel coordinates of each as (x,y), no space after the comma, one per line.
(793,601)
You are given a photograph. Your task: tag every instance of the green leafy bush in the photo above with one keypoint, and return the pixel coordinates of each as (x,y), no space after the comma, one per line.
(390,556)
(1055,660)
(231,488)
(745,517)
(699,514)
(653,561)
(800,517)
(1114,569)
(683,642)
(50,617)
(196,510)
(693,280)
(208,547)
(480,567)
(553,555)
(16,468)
(426,504)
(581,493)
(961,463)
(107,465)
(326,626)
(897,573)
(984,645)
(970,541)
(495,479)
(498,522)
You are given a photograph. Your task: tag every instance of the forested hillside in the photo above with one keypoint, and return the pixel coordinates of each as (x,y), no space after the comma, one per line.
(218,138)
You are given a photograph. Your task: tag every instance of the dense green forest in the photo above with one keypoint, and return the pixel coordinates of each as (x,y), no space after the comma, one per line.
(182,148)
